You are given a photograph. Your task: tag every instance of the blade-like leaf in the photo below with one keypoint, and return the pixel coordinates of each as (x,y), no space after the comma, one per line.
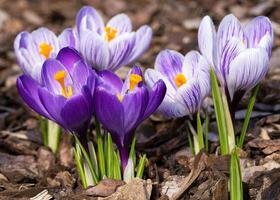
(220,115)
(100,150)
(248,115)
(141,166)
(236,188)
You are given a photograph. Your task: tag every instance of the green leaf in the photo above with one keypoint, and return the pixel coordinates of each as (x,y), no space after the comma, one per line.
(93,157)
(220,115)
(141,166)
(206,123)
(54,133)
(195,138)
(236,188)
(79,165)
(191,143)
(248,115)
(86,156)
(230,129)
(100,150)
(109,156)
(199,131)
(44,130)
(117,166)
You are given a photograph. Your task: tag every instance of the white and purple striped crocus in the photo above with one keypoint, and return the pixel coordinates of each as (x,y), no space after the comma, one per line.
(239,53)
(65,95)
(121,107)
(32,49)
(186,78)
(112,45)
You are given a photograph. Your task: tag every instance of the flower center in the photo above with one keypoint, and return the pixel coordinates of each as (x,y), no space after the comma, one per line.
(45,50)
(180,79)
(134,79)
(60,78)
(120,97)
(110,33)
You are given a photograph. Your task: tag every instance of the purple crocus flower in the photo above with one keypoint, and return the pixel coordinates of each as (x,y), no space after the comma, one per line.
(32,49)
(186,78)
(239,54)
(121,107)
(112,45)
(66,93)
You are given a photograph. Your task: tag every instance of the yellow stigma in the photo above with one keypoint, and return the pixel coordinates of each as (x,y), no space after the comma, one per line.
(180,79)
(45,50)
(134,79)
(60,78)
(110,33)
(120,97)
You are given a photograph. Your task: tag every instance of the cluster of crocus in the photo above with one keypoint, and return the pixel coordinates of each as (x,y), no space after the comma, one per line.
(61,84)
(70,78)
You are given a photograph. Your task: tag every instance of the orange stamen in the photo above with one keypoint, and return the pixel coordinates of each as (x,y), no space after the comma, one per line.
(134,80)
(180,79)
(110,33)
(45,50)
(60,78)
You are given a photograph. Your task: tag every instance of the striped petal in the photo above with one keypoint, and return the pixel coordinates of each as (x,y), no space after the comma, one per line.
(246,70)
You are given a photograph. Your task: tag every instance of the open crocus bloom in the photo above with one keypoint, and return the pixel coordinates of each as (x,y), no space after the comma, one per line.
(112,45)
(239,54)
(66,93)
(186,78)
(121,107)
(32,49)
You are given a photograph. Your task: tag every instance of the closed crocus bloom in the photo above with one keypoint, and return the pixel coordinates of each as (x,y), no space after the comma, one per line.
(240,54)
(112,45)
(121,107)
(66,93)
(32,49)
(186,78)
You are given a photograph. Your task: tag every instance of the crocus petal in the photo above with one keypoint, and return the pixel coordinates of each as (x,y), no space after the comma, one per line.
(196,67)
(143,40)
(112,80)
(110,113)
(190,94)
(134,104)
(232,48)
(94,50)
(76,113)
(44,35)
(156,96)
(266,43)
(169,63)
(53,104)
(28,90)
(121,23)
(89,19)
(68,57)
(229,27)
(50,68)
(207,39)
(67,38)
(79,74)
(170,105)
(247,69)
(120,49)
(256,29)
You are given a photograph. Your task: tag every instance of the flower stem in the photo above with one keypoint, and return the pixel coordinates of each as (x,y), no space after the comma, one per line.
(53,134)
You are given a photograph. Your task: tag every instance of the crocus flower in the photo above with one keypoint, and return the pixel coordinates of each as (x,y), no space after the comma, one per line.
(186,78)
(239,54)
(66,93)
(112,45)
(32,49)
(121,107)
